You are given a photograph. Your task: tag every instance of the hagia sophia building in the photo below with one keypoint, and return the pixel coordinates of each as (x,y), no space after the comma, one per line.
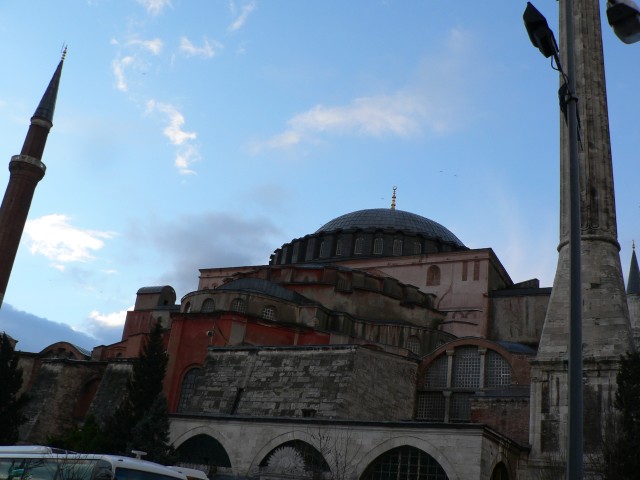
(377,347)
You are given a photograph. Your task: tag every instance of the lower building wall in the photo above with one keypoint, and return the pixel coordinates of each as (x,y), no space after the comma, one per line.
(325,382)
(465,452)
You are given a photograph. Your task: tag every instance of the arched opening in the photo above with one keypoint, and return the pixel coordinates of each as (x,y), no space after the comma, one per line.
(404,463)
(188,388)
(269,312)
(433,275)
(500,472)
(238,305)
(85,398)
(293,459)
(208,306)
(204,453)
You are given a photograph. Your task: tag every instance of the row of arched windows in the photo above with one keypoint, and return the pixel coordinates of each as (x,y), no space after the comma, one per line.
(237,305)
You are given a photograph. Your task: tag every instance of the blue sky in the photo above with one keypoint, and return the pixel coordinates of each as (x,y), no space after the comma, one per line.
(200,133)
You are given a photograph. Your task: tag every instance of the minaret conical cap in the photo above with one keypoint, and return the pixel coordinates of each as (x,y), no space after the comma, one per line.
(633,282)
(47,105)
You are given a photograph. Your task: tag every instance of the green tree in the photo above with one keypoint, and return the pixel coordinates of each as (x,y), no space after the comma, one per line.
(621,452)
(11,404)
(141,422)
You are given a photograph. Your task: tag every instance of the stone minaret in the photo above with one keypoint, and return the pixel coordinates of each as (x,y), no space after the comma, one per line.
(606,327)
(26,170)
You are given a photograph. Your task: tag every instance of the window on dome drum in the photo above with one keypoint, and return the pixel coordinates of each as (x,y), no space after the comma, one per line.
(377,246)
(238,305)
(283,258)
(359,246)
(187,307)
(417,248)
(413,344)
(433,275)
(311,245)
(451,380)
(269,312)
(323,249)
(188,388)
(208,306)
(339,247)
(404,463)
(296,251)
(397,247)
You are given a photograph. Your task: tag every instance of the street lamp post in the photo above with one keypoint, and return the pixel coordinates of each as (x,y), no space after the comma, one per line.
(542,37)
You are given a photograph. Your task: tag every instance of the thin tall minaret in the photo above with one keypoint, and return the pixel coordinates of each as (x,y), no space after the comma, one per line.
(606,329)
(26,170)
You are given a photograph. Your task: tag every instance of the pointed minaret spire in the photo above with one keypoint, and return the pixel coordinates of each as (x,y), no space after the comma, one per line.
(393,198)
(633,282)
(26,170)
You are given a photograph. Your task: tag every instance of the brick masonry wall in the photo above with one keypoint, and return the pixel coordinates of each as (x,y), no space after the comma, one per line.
(329,382)
(507,415)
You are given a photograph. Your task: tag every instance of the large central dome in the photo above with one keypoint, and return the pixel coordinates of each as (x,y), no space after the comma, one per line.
(376,232)
(387,218)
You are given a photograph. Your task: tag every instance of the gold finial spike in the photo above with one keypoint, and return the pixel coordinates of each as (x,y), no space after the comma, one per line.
(393,198)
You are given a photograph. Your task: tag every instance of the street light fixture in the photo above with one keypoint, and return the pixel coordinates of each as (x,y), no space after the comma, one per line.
(624,17)
(542,38)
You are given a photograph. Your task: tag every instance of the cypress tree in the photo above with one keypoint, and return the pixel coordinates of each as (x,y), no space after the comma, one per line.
(11,405)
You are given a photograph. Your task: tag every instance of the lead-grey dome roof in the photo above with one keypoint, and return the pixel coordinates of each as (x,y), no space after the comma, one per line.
(387,218)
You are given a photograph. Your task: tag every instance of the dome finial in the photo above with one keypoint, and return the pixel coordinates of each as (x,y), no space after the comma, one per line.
(393,198)
(633,244)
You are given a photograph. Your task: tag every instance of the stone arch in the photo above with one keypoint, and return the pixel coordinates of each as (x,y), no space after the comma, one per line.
(202,449)
(86,396)
(419,443)
(295,456)
(279,440)
(500,471)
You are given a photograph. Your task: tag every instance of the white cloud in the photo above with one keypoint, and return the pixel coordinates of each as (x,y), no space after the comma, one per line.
(53,237)
(154,46)
(155,7)
(173,131)
(111,320)
(118,66)
(207,49)
(242,17)
(187,152)
(434,101)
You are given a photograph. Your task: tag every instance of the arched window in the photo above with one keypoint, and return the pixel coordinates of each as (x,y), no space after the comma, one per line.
(498,370)
(323,249)
(465,380)
(238,305)
(404,463)
(377,246)
(359,246)
(269,312)
(397,247)
(417,247)
(413,345)
(187,307)
(296,251)
(339,247)
(433,275)
(283,259)
(208,306)
(188,388)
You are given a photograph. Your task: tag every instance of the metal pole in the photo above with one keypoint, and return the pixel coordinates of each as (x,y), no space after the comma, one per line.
(575,420)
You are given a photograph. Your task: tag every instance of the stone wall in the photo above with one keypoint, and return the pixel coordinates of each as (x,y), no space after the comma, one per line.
(518,315)
(111,390)
(508,415)
(56,391)
(325,382)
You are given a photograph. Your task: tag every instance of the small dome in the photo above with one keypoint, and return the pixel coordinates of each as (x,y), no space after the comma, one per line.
(386,218)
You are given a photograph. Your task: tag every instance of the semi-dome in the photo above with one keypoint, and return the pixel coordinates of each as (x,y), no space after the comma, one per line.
(388,218)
